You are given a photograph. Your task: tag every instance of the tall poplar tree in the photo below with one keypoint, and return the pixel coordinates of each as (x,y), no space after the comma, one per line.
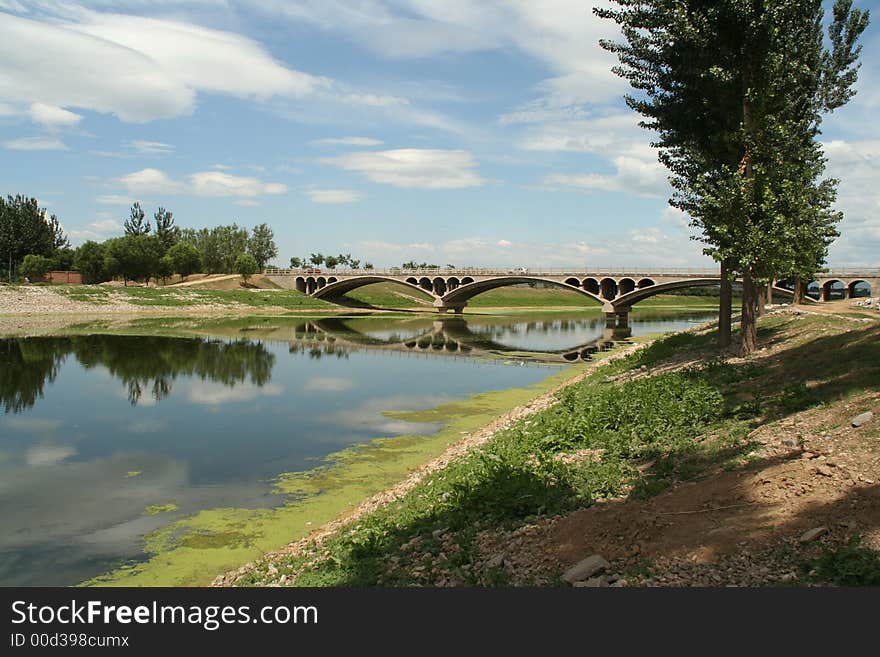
(736,90)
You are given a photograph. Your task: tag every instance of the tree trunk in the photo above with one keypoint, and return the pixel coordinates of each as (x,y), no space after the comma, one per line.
(748,321)
(761,300)
(724,310)
(798,291)
(770,293)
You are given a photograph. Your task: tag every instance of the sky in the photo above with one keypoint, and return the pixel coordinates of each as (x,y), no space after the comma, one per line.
(462,132)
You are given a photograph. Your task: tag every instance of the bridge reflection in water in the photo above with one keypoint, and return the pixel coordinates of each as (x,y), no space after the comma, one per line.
(448,337)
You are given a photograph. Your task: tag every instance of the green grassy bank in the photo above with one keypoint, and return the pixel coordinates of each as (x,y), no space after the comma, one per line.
(623,431)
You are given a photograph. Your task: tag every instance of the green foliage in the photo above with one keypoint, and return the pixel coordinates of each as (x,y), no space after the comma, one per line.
(35,267)
(296,263)
(136,224)
(736,92)
(331,262)
(26,230)
(185,258)
(63,259)
(246,266)
(134,257)
(317,259)
(219,246)
(261,245)
(850,565)
(89,261)
(166,231)
(165,267)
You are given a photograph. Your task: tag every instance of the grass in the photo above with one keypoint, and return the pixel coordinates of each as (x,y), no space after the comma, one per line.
(848,565)
(182,297)
(620,432)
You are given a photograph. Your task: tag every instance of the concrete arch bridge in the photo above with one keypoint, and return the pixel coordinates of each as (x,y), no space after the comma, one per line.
(616,290)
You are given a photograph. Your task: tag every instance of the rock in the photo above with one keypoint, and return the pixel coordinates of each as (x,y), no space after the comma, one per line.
(824,470)
(585,569)
(496,561)
(592,583)
(812,535)
(790,442)
(864,418)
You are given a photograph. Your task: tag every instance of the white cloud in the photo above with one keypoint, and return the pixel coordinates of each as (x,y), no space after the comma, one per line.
(137,68)
(99,230)
(414,168)
(634,176)
(217,183)
(150,181)
(333,196)
(51,116)
(35,144)
(348,141)
(204,183)
(145,147)
(114,199)
(505,243)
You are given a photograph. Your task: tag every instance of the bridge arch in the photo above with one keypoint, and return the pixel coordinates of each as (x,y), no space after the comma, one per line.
(439,286)
(829,286)
(300,284)
(853,287)
(640,294)
(609,288)
(591,285)
(468,291)
(626,285)
(341,287)
(645,282)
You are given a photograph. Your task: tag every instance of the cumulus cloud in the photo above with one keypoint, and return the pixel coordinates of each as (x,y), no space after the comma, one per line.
(135,67)
(333,196)
(51,116)
(204,183)
(414,168)
(35,144)
(101,229)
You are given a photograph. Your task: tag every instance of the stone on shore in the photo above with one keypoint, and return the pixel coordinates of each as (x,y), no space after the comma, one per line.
(585,569)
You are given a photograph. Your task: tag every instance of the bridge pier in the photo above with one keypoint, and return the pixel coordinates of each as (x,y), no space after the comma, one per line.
(617,319)
(444,307)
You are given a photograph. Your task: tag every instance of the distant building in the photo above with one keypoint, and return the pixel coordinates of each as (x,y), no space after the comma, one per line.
(72,277)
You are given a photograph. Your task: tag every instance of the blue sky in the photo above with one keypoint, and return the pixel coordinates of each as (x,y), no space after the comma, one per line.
(468,132)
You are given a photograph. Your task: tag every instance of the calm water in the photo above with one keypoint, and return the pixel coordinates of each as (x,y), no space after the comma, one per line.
(96,429)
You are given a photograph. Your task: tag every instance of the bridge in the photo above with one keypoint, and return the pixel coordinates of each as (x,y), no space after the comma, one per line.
(616,289)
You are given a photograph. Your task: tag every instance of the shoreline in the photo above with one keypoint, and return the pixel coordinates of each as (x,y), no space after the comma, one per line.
(455,451)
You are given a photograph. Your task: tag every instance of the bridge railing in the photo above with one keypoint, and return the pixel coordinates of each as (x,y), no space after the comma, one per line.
(848,272)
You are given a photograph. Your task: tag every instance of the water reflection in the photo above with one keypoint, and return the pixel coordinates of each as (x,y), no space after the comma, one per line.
(145,365)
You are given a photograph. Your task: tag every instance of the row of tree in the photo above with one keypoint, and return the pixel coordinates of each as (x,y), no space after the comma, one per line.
(36,244)
(736,92)
(329,261)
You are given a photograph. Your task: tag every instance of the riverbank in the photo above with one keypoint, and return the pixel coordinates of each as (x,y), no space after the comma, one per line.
(677,467)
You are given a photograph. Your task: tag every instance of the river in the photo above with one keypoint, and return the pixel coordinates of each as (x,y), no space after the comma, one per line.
(111,444)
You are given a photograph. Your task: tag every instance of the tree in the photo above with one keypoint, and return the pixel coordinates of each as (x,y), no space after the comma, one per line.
(368,265)
(34,267)
(316,259)
(736,91)
(136,257)
(354,264)
(59,239)
(166,231)
(165,267)
(63,259)
(296,263)
(89,261)
(135,224)
(246,265)
(261,245)
(185,258)
(331,262)
(25,230)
